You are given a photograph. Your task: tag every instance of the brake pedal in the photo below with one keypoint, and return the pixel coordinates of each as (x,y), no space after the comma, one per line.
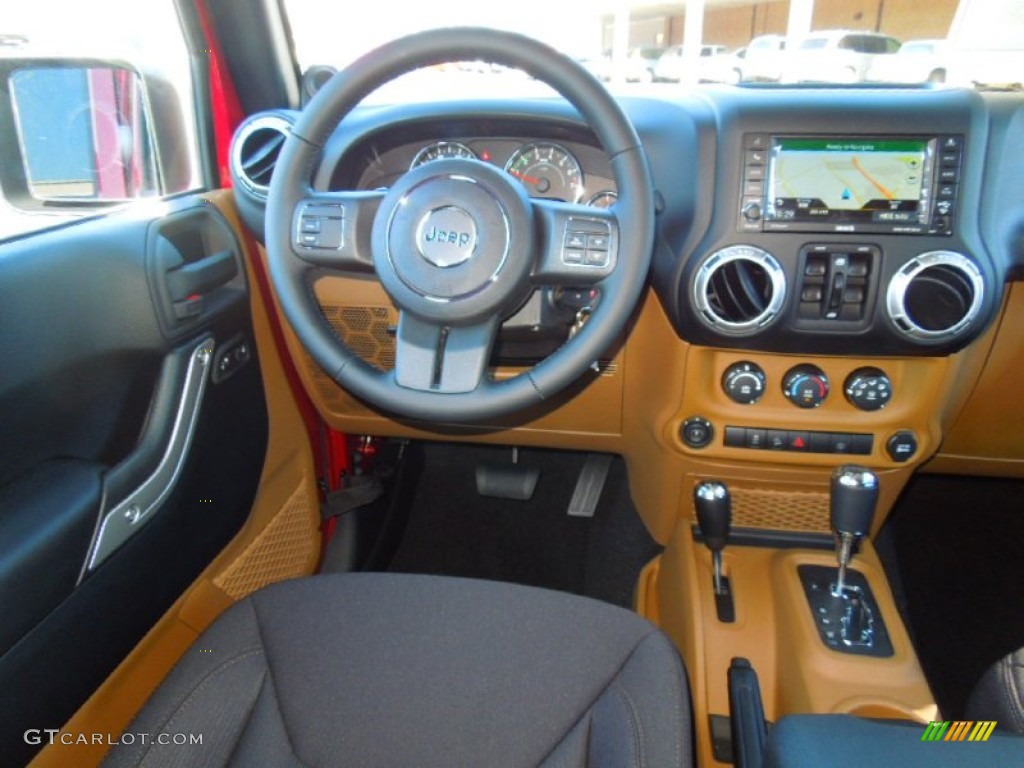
(507,481)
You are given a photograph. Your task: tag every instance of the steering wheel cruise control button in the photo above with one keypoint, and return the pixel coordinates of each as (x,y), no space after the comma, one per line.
(320,226)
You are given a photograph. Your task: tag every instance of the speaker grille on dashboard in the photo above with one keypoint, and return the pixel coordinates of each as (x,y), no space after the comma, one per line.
(367,331)
(780,510)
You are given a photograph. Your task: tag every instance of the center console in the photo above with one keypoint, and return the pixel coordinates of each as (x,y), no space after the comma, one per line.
(818,625)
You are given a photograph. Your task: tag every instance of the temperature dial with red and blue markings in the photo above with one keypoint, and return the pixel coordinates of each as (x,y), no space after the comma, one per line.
(806,386)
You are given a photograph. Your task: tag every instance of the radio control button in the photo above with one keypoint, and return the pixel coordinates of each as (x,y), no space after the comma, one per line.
(754,173)
(753,188)
(752,210)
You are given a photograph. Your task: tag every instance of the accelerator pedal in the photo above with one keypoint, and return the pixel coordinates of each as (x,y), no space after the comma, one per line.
(588,488)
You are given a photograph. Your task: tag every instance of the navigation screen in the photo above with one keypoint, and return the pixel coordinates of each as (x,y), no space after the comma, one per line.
(830,180)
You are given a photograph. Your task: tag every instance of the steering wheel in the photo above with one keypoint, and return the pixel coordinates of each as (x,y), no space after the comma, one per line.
(456,243)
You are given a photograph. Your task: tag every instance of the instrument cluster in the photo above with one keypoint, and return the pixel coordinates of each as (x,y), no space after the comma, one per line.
(547,169)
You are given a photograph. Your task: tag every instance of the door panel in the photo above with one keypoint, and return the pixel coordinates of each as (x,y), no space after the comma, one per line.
(99,323)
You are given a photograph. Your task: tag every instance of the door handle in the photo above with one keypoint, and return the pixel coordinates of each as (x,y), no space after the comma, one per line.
(124,515)
(202,276)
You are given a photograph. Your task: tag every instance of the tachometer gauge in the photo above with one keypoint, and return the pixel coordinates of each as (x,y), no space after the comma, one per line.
(603,199)
(547,170)
(442,150)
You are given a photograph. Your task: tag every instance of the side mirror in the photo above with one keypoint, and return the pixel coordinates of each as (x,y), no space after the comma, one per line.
(83,133)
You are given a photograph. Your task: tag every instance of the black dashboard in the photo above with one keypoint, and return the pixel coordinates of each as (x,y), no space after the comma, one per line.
(815,220)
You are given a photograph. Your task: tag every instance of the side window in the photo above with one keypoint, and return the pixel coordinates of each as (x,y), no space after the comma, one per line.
(107,121)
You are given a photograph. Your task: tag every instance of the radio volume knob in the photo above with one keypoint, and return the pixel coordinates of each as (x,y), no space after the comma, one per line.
(806,386)
(744,382)
(752,211)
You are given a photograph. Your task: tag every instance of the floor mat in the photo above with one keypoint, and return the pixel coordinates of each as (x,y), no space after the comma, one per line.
(956,547)
(452,530)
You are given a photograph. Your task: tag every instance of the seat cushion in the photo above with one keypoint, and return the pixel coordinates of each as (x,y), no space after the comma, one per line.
(399,670)
(999,694)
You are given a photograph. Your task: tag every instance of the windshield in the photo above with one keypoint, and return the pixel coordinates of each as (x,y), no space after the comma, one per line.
(621,40)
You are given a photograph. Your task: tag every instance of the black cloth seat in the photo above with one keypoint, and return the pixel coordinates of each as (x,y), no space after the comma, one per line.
(397,670)
(999,695)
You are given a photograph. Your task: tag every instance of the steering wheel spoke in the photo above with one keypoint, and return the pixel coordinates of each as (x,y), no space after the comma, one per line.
(332,229)
(432,357)
(578,244)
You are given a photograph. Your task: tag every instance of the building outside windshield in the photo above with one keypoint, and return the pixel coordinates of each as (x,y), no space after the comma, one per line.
(658,47)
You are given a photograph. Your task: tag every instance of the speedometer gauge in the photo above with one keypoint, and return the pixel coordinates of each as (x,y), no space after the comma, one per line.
(547,170)
(442,150)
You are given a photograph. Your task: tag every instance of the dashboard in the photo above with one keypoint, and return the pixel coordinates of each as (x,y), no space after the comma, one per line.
(823,255)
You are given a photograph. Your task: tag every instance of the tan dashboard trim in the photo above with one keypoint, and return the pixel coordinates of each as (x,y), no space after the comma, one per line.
(660,380)
(987,437)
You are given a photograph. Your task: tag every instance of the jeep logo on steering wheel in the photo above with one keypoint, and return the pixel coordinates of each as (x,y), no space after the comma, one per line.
(446,237)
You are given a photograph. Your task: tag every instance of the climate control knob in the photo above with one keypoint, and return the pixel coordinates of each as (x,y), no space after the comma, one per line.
(744,382)
(806,386)
(868,389)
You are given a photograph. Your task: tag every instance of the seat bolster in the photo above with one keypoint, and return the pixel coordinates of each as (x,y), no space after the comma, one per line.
(999,694)
(658,702)
(209,695)
(642,718)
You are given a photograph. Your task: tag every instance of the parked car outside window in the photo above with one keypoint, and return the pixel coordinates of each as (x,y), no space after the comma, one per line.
(837,56)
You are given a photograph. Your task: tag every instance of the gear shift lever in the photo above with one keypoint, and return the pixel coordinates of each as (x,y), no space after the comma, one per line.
(852,508)
(714,516)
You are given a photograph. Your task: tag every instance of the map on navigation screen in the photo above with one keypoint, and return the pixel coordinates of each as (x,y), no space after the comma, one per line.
(881,180)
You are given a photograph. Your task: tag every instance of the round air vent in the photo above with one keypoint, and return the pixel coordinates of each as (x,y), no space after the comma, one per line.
(739,290)
(255,149)
(935,295)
